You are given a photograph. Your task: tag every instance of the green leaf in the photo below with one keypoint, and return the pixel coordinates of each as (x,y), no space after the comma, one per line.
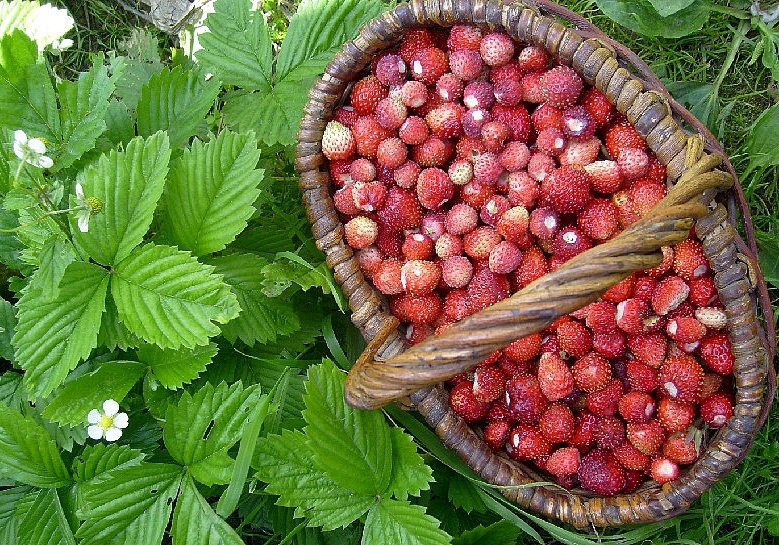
(54,258)
(175,101)
(205,216)
(346,441)
(7,327)
(195,523)
(768,247)
(9,522)
(200,428)
(83,106)
(174,368)
(113,333)
(410,474)
(112,380)
(137,67)
(128,183)
(12,391)
(99,458)
(10,245)
(129,504)
(639,16)
(262,318)
(498,533)
(120,125)
(39,228)
(53,335)
(762,145)
(393,521)
(45,522)
(668,7)
(167,297)
(237,46)
(27,99)
(284,462)
(28,453)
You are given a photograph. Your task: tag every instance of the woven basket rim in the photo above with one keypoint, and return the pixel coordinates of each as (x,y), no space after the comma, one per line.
(649,503)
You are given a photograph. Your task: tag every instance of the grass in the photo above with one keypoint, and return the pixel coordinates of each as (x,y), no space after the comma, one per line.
(742,509)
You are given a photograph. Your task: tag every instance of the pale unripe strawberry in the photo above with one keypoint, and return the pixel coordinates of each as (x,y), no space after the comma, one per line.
(361,232)
(338,141)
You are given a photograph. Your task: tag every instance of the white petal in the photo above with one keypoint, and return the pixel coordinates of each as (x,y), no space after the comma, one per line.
(93,417)
(121,420)
(79,191)
(19,150)
(42,161)
(110,407)
(83,222)
(112,434)
(95,432)
(37,145)
(65,43)
(20,136)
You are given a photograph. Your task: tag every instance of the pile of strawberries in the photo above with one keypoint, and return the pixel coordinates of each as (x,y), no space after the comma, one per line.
(467,165)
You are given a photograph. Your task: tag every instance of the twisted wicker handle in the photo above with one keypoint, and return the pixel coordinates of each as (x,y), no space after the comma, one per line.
(579,281)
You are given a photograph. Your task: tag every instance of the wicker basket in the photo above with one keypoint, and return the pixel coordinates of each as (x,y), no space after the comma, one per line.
(389,370)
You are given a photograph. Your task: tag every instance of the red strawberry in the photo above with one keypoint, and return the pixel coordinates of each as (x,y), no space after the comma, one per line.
(433,152)
(368,134)
(445,120)
(675,415)
(609,432)
(601,317)
(489,383)
(508,92)
(609,345)
(526,442)
(429,64)
(575,339)
(598,105)
(345,115)
(717,409)
(630,457)
(505,257)
(419,277)
(531,87)
(633,163)
(627,210)
(515,156)
(544,222)
(636,406)
(532,58)
(525,400)
(360,232)
(664,266)
(605,401)
(644,287)
(605,175)
(689,259)
(370,258)
(566,190)
(524,348)
(516,118)
(434,188)
(578,124)
(414,94)
(622,135)
(513,223)
(464,36)
(540,166)
(564,461)
(465,64)
(685,330)
(649,348)
(582,437)
(717,353)
(464,403)
(580,153)
(455,306)
(496,48)
(683,447)
(570,242)
(591,372)
(494,134)
(551,141)
(632,316)
(415,39)
(486,168)
(401,210)
(599,219)
(557,423)
(669,293)
(496,434)
(561,86)
(387,277)
(344,201)
(449,87)
(338,142)
(554,377)
(366,94)
(600,472)
(479,242)
(420,309)
(417,246)
(647,437)
(646,194)
(712,383)
(703,291)
(391,153)
(486,288)
(433,224)
(456,271)
(620,291)
(390,69)
(547,116)
(479,95)
(663,470)
(680,377)
(640,377)
(533,266)
(476,193)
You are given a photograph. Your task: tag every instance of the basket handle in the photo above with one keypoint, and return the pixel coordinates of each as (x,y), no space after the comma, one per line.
(372,383)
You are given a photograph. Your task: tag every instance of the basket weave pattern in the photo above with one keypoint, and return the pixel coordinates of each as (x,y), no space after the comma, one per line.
(389,370)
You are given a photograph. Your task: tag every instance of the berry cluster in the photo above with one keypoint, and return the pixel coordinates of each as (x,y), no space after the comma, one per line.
(466,166)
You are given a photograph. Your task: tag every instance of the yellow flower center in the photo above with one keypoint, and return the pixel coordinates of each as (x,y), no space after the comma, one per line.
(106,422)
(95,205)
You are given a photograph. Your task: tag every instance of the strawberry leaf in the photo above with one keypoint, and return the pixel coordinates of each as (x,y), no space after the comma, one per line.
(9,521)
(196,523)
(45,521)
(174,368)
(101,457)
(393,521)
(410,474)
(346,441)
(642,17)
(497,533)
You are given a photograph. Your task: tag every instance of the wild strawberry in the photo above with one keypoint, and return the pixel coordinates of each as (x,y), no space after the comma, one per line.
(419,309)
(522,189)
(570,242)
(433,152)
(366,94)
(591,372)
(663,470)
(554,377)
(505,257)
(717,409)
(551,141)
(508,92)
(600,472)
(391,153)
(433,224)
(575,339)
(689,259)
(685,329)
(496,434)
(455,306)
(680,378)
(609,345)
(344,201)
(401,210)
(598,219)
(632,315)
(532,267)
(489,383)
(406,175)
(605,176)
(515,156)
(465,64)
(717,353)
(647,437)
(649,348)
(566,190)
(390,242)
(339,172)
(476,193)
(525,400)
(646,194)
(414,40)
(390,69)
(609,432)
(598,105)
(486,288)
(464,403)
(630,457)
(496,48)
(582,437)
(632,162)
(675,415)
(487,168)
(419,277)
(493,209)
(703,291)
(641,377)
(369,259)
(434,188)
(622,135)
(540,166)
(605,401)
(413,130)
(532,58)
(516,118)
(494,135)
(456,271)
(526,442)
(473,121)
(413,94)
(449,87)
(524,348)
(345,115)
(479,242)
(391,113)
(620,291)
(580,153)
(561,86)
(369,196)
(669,293)
(557,423)
(368,134)
(461,219)
(360,232)
(563,461)
(444,121)
(712,383)
(417,246)
(338,143)
(531,87)
(479,95)
(362,170)
(636,406)
(625,208)
(416,333)
(644,287)
(544,222)
(711,317)
(578,124)
(683,447)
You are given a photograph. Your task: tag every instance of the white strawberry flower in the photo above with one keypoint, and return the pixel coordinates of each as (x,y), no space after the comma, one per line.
(31,150)
(108,424)
(58,46)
